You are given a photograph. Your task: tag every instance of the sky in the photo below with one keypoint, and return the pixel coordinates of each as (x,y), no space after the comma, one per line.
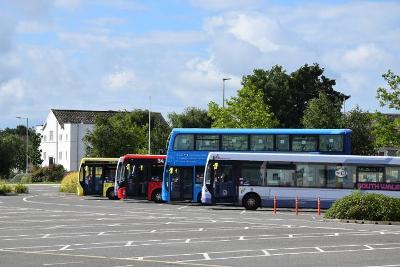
(115,55)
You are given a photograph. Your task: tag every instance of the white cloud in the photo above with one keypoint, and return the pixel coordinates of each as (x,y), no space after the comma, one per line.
(32,27)
(120,80)
(226,4)
(107,21)
(258,31)
(12,90)
(363,55)
(68,4)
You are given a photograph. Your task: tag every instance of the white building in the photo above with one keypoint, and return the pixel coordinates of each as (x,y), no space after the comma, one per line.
(62,136)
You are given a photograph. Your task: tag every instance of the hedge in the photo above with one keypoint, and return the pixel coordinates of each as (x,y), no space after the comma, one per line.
(365,206)
(69,183)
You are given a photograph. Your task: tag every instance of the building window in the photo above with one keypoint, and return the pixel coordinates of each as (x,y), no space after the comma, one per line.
(44,138)
(51,136)
(66,155)
(44,155)
(66,137)
(59,155)
(60,137)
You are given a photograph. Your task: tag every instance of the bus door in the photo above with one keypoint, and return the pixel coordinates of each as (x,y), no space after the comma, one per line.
(137,181)
(181,183)
(93,180)
(224,186)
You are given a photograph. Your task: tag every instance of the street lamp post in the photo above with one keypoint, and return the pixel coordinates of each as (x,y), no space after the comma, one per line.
(149,146)
(27,143)
(223,91)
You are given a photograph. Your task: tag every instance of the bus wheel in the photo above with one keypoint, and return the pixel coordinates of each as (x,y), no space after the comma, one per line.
(251,201)
(111,193)
(156,196)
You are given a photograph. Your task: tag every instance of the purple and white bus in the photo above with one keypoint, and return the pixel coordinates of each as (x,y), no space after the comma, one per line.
(253,179)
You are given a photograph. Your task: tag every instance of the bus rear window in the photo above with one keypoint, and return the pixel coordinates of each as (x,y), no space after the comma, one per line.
(184,142)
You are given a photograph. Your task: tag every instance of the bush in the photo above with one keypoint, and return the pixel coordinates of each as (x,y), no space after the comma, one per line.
(69,183)
(21,178)
(21,189)
(5,188)
(47,174)
(366,206)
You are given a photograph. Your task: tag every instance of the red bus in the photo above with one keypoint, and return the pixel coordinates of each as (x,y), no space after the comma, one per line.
(139,176)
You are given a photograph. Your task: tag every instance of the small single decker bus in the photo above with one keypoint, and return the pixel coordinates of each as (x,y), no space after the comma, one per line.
(96,176)
(140,176)
(188,150)
(253,179)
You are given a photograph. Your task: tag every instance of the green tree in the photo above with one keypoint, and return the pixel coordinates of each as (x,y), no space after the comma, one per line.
(385,131)
(360,123)
(34,152)
(10,151)
(288,95)
(247,110)
(390,96)
(321,112)
(191,117)
(126,132)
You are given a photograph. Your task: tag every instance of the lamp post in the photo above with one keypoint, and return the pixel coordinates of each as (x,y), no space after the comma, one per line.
(149,146)
(223,91)
(27,142)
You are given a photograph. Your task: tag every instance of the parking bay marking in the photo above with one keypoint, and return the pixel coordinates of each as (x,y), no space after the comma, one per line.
(280,252)
(113,258)
(154,242)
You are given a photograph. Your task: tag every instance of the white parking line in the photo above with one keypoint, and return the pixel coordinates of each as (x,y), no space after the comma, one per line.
(392,265)
(62,263)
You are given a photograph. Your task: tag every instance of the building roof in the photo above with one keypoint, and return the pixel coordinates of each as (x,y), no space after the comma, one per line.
(79,116)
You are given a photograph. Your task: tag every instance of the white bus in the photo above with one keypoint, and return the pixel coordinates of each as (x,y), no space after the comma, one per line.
(253,179)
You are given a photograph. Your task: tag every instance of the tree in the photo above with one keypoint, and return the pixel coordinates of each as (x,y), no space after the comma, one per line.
(321,112)
(360,123)
(385,131)
(11,147)
(18,137)
(247,110)
(391,96)
(288,95)
(126,132)
(191,117)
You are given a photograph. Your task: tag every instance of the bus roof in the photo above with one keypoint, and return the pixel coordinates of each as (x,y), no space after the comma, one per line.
(311,158)
(139,156)
(257,131)
(102,160)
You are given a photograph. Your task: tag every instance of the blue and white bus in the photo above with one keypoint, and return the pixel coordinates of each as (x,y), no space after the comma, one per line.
(253,179)
(188,150)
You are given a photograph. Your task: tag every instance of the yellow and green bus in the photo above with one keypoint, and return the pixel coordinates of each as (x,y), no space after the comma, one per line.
(96,177)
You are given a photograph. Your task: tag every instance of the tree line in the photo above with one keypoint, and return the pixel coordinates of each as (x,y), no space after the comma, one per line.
(271,98)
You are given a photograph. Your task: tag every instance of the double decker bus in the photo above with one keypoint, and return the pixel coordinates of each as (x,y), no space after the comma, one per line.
(96,176)
(188,150)
(253,179)
(140,176)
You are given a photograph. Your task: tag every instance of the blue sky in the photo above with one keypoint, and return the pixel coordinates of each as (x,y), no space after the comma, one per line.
(112,55)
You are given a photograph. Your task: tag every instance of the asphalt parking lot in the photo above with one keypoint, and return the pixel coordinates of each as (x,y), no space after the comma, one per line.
(47,228)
